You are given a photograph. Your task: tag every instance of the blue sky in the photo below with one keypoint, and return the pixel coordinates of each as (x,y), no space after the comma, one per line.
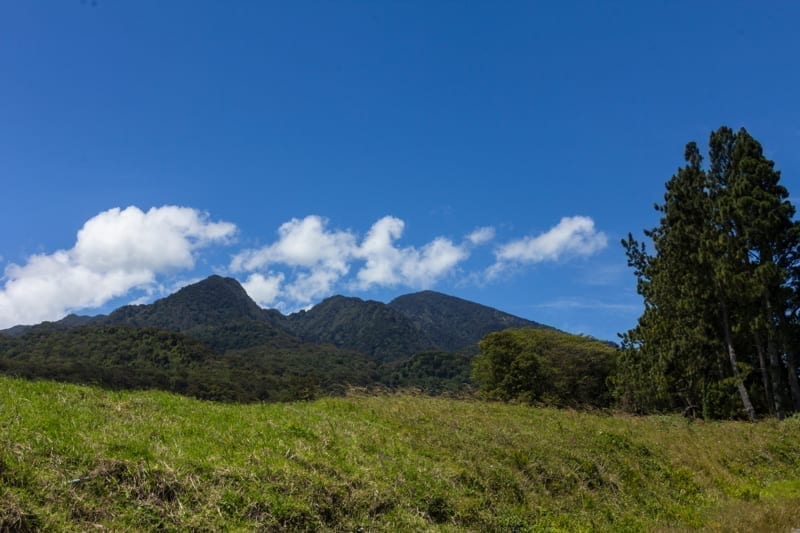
(494,151)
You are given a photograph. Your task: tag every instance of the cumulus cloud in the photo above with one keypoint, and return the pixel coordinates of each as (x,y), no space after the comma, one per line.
(382,258)
(130,239)
(321,257)
(318,255)
(308,286)
(389,265)
(301,243)
(481,235)
(572,236)
(264,289)
(115,251)
(318,259)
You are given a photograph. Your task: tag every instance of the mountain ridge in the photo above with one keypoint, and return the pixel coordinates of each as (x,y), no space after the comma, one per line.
(214,299)
(212,341)
(220,307)
(454,323)
(367,326)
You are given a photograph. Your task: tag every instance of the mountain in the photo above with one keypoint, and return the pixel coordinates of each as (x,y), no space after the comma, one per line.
(215,300)
(65,324)
(211,340)
(210,302)
(370,327)
(208,340)
(215,311)
(453,324)
(218,312)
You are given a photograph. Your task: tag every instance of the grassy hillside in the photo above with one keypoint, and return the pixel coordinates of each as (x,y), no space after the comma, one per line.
(75,458)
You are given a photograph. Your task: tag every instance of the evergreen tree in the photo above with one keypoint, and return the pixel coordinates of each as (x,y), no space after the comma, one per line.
(718,287)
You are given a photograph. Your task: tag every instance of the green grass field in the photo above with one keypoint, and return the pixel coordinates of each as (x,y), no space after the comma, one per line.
(81,458)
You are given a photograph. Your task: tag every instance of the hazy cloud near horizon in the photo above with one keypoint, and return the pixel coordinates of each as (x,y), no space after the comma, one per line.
(123,250)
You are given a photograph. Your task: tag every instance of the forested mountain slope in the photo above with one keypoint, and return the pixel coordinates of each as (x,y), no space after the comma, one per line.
(211,340)
(451,323)
(370,327)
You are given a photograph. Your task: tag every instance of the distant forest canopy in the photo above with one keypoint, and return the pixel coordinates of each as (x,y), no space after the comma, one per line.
(210,340)
(718,337)
(721,287)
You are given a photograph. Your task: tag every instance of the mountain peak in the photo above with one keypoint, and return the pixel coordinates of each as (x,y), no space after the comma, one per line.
(216,292)
(366,326)
(219,287)
(454,323)
(213,300)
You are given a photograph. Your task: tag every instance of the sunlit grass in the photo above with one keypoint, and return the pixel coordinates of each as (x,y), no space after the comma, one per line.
(74,458)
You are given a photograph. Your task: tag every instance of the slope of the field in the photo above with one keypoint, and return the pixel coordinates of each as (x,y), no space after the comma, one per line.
(81,458)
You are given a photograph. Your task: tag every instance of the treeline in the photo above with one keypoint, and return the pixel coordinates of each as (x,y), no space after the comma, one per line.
(121,357)
(532,365)
(720,328)
(285,369)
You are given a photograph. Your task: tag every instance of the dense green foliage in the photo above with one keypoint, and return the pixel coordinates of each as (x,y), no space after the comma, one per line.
(538,365)
(242,334)
(120,357)
(82,459)
(117,357)
(434,372)
(718,336)
(453,324)
(372,328)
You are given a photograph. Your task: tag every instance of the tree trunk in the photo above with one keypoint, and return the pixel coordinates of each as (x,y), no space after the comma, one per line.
(748,406)
(791,365)
(794,386)
(762,360)
(775,364)
(775,374)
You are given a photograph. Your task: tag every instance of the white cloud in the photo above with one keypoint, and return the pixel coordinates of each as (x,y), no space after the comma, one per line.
(436,259)
(481,235)
(388,265)
(264,289)
(115,251)
(308,286)
(381,256)
(567,304)
(303,243)
(130,239)
(572,236)
(321,257)
(123,249)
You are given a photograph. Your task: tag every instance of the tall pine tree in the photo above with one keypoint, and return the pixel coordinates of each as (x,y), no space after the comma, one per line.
(719,290)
